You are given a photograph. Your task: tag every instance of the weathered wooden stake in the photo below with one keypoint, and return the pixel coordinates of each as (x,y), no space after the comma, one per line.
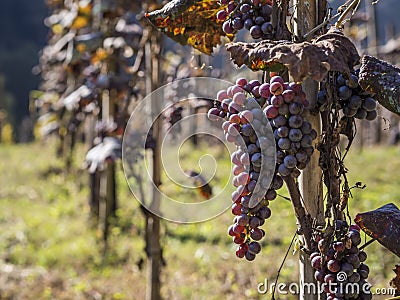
(310,183)
(153,247)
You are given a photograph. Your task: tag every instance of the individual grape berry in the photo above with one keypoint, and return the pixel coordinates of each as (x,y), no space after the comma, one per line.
(369,104)
(237,24)
(222,15)
(250,256)
(227,28)
(276,88)
(244,8)
(248,24)
(344,92)
(254,247)
(371,115)
(255,32)
(295,121)
(267,28)
(295,135)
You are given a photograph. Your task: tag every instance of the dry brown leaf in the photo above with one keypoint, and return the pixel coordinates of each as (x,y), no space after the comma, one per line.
(330,52)
(382,79)
(190,22)
(382,224)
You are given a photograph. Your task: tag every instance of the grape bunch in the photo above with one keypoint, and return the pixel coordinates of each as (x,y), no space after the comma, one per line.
(340,266)
(353,100)
(260,119)
(287,108)
(254,15)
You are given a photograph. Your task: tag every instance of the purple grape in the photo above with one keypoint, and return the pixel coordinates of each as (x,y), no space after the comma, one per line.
(288,96)
(361,114)
(213,114)
(306,127)
(231,7)
(251,185)
(301,156)
(347,268)
(277,101)
(295,121)
(227,28)
(344,92)
(252,148)
(355,102)
(244,8)
(290,162)
(259,20)
(277,182)
(284,143)
(222,15)
(267,27)
(255,32)
(369,104)
(348,112)
(283,170)
(254,222)
(371,115)
(250,256)
(254,247)
(279,121)
(352,82)
(340,80)
(248,24)
(256,159)
(316,262)
(256,234)
(313,134)
(264,212)
(333,265)
(254,175)
(296,108)
(266,10)
(283,131)
(295,135)
(306,141)
(247,130)
(237,24)
(256,91)
(283,109)
(242,220)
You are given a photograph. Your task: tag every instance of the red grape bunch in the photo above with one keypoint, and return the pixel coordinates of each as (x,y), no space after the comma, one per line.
(254,15)
(353,100)
(287,109)
(260,119)
(340,266)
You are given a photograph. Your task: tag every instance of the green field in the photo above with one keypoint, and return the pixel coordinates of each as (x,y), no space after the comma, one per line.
(49,251)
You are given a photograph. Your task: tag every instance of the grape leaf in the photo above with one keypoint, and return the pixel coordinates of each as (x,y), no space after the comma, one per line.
(382,224)
(395,282)
(330,52)
(382,79)
(190,22)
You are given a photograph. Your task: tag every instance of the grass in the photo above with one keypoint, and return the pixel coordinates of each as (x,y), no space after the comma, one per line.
(49,251)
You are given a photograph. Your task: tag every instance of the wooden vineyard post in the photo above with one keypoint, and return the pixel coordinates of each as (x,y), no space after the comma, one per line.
(108,176)
(310,183)
(152,234)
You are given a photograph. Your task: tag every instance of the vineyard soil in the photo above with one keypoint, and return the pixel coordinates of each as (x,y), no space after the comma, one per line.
(47,251)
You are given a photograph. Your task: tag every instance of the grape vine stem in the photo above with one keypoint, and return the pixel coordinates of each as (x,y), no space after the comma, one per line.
(303,218)
(281,266)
